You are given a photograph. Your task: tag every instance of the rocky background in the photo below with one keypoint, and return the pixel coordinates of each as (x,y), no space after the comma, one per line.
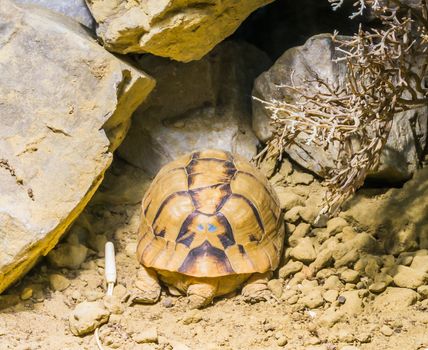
(148,81)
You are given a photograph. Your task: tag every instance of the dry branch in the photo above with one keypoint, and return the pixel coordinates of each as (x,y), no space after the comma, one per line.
(385,70)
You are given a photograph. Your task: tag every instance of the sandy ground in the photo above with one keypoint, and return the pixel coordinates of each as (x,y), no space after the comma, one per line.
(35,313)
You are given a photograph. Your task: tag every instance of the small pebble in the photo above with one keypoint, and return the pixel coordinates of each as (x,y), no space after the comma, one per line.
(149,335)
(341,299)
(58,282)
(282,341)
(87,316)
(193,316)
(26,293)
(386,330)
(168,303)
(275,286)
(377,287)
(349,276)
(331,295)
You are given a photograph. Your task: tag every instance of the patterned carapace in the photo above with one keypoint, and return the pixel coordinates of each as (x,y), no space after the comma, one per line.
(208,214)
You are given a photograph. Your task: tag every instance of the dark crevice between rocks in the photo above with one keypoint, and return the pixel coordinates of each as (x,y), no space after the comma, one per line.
(284,24)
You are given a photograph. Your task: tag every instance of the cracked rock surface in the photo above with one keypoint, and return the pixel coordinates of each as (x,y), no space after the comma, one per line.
(65,105)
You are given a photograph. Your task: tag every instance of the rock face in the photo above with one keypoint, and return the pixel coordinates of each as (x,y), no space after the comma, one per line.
(75,9)
(182,30)
(65,104)
(402,154)
(398,216)
(208,105)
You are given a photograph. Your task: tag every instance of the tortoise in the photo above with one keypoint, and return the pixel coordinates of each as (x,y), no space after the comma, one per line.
(210,222)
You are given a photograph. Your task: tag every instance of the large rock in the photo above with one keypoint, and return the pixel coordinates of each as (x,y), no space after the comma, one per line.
(183,30)
(196,105)
(398,217)
(408,137)
(75,9)
(65,104)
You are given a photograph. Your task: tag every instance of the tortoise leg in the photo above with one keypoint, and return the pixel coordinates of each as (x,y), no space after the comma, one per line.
(148,287)
(255,289)
(201,294)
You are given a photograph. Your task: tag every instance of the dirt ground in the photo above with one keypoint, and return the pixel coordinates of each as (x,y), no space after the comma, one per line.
(321,304)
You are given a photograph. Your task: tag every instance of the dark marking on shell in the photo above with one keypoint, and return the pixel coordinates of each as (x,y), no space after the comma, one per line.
(187,239)
(252,238)
(166,201)
(147,208)
(184,229)
(205,251)
(227,194)
(241,249)
(227,239)
(160,233)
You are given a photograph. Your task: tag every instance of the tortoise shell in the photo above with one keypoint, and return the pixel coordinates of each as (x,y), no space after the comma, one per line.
(209,214)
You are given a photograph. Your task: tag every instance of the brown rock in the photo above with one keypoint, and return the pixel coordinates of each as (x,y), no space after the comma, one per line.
(181,30)
(87,316)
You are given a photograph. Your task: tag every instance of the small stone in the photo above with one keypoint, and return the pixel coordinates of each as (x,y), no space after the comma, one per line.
(407,277)
(149,335)
(377,287)
(341,299)
(350,286)
(331,295)
(68,255)
(304,251)
(299,178)
(275,286)
(113,304)
(26,293)
(395,299)
(309,213)
(325,273)
(290,268)
(330,317)
(386,330)
(313,299)
(333,282)
(131,249)
(87,316)
(420,263)
(405,260)
(349,347)
(336,225)
(293,300)
(167,303)
(58,282)
(193,316)
(423,291)
(93,295)
(292,215)
(350,276)
(282,341)
(289,200)
(120,291)
(302,230)
(297,279)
